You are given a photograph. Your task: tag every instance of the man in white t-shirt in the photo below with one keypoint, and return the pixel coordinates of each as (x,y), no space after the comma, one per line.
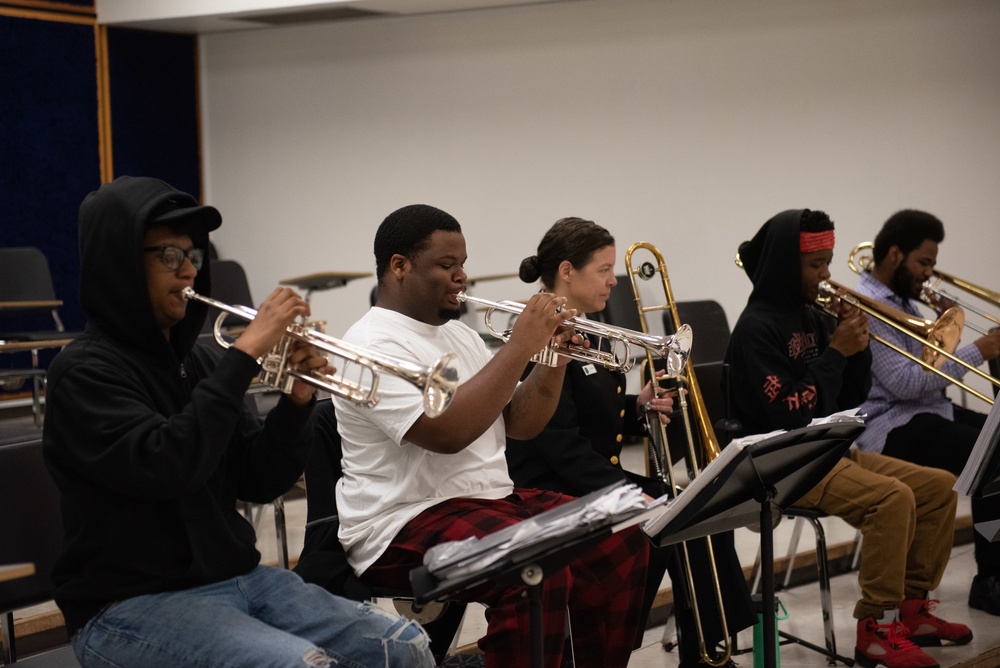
(411,481)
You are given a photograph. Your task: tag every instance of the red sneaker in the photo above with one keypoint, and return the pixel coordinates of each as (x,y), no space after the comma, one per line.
(926,629)
(887,644)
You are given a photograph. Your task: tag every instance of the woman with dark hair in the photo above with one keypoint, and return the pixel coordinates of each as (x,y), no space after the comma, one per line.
(579,451)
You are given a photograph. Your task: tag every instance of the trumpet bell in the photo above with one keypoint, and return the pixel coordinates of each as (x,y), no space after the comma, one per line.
(440,385)
(680,350)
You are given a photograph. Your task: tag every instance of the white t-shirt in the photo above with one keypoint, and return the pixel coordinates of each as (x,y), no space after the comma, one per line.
(387,480)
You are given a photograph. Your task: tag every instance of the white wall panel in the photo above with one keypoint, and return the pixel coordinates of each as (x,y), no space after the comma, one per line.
(685,123)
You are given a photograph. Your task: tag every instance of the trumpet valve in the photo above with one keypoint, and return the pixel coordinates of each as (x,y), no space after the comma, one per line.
(549,355)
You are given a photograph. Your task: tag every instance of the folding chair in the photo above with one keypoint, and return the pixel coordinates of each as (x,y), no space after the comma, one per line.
(323,560)
(26,290)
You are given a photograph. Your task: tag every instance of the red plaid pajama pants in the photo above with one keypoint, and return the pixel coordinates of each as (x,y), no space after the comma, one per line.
(603,587)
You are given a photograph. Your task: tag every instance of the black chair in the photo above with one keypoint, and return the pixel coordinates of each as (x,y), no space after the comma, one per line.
(708,321)
(30,532)
(229,286)
(711,340)
(27,292)
(323,560)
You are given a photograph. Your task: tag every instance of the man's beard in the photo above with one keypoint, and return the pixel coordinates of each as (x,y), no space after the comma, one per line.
(450,313)
(902,282)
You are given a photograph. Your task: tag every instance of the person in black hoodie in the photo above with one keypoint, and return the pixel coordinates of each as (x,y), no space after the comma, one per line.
(580,448)
(150,443)
(790,363)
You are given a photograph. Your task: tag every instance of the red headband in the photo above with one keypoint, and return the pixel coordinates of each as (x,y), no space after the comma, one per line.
(815,241)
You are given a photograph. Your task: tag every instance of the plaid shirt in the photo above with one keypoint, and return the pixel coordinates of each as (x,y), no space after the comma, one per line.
(901,388)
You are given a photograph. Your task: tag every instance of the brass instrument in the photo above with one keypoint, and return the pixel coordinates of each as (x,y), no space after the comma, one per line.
(674,349)
(691,399)
(438,381)
(859,260)
(938,338)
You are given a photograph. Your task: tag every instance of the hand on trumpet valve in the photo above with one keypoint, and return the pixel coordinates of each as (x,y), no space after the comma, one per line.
(306,359)
(544,319)
(274,315)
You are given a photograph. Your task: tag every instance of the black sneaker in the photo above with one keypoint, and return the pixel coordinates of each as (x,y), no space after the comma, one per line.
(984,594)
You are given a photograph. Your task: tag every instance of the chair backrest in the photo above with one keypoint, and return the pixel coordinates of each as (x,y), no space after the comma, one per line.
(711,339)
(710,325)
(30,520)
(24,275)
(230,286)
(323,560)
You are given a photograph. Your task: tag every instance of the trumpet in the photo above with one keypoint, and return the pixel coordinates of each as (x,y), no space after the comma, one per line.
(860,260)
(674,349)
(438,381)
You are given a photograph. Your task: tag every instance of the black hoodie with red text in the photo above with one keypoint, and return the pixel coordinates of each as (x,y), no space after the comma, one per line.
(782,371)
(149,440)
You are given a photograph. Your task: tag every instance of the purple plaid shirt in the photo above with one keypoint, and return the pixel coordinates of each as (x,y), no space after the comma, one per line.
(901,388)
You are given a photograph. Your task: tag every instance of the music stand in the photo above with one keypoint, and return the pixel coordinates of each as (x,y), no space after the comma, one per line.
(743,486)
(981,476)
(323,280)
(529,564)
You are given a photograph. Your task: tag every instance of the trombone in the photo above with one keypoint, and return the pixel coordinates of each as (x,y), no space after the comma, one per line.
(939,338)
(860,260)
(438,381)
(660,450)
(674,349)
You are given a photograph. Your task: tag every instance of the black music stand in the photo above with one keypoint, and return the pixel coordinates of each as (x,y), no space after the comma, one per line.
(743,486)
(529,564)
(981,476)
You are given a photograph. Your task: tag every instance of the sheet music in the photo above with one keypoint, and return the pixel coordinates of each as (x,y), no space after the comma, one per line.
(730,452)
(975,468)
(613,503)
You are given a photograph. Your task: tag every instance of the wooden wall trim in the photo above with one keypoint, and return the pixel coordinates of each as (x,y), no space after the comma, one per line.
(40,15)
(104,105)
(51,6)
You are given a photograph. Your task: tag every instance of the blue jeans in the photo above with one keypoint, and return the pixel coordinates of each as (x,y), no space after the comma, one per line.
(268,617)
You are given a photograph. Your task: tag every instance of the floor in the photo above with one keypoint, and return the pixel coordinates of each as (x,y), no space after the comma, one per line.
(801,603)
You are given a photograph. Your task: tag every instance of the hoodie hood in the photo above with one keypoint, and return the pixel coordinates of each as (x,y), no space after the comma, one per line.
(772,261)
(113,291)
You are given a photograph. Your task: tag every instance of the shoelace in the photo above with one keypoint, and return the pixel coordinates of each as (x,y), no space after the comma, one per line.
(898,636)
(929,606)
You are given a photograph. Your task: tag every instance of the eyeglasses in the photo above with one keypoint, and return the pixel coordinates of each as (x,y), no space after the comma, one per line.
(173,257)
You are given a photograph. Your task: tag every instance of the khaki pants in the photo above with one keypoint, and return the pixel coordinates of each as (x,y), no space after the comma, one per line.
(906,514)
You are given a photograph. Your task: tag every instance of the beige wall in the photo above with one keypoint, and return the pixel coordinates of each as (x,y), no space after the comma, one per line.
(684,123)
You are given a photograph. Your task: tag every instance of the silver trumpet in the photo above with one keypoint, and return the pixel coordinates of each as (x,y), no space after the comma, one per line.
(438,381)
(674,349)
